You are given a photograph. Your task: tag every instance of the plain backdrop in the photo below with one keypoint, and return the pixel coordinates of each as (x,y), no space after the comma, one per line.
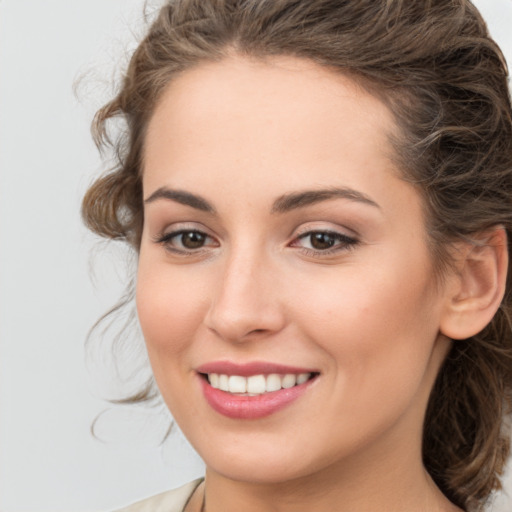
(49,396)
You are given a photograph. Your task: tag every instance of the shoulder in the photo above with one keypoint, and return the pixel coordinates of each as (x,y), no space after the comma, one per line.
(170,501)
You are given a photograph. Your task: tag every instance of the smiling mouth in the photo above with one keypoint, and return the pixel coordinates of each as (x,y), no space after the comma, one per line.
(253,390)
(256,385)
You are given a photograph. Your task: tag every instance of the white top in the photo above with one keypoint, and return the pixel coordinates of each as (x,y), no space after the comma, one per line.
(170,501)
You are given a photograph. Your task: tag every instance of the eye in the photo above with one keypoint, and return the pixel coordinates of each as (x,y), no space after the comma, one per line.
(325,242)
(186,240)
(191,239)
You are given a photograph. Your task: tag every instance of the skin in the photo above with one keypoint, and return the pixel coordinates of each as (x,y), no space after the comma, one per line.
(366,314)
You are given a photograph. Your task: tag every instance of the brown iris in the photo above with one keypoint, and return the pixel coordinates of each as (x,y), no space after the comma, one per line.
(193,239)
(322,241)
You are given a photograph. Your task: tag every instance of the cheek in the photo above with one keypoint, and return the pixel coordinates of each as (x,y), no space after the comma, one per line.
(169,310)
(384,298)
(378,326)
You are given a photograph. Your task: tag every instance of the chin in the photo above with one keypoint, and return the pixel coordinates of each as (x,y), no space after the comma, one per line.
(268,472)
(268,459)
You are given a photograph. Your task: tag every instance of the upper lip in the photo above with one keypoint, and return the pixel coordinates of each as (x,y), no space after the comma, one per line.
(250,368)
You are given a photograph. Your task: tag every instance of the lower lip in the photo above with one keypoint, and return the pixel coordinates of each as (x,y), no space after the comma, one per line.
(251,407)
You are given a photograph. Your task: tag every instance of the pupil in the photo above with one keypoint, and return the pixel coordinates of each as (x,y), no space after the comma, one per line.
(192,240)
(322,240)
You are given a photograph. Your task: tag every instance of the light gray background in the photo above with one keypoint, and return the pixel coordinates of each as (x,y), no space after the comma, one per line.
(48,460)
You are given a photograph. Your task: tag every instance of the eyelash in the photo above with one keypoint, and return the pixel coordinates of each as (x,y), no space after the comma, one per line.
(341,242)
(166,240)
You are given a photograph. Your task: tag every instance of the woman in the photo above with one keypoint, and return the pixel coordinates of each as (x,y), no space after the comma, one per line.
(319,194)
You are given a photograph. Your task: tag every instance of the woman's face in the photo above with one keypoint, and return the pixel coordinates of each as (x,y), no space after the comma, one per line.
(285,288)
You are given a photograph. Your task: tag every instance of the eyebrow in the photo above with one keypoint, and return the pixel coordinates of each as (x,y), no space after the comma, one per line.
(182,197)
(295,200)
(282,204)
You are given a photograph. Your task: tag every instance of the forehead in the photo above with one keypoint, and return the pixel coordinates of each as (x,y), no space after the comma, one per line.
(285,121)
(287,96)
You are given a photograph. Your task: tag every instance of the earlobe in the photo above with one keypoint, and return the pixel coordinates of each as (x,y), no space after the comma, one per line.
(476,290)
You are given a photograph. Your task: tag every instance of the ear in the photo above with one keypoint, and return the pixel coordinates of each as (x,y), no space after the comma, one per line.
(475,290)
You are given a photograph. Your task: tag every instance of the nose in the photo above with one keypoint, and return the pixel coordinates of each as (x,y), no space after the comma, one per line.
(245,304)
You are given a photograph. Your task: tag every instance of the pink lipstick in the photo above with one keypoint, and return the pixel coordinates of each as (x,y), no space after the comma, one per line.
(252,390)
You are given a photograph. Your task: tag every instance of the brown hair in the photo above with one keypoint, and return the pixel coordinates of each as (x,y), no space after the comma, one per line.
(445,80)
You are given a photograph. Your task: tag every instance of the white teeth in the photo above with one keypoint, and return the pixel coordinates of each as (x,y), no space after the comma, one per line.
(237,384)
(273,382)
(214,380)
(289,380)
(302,377)
(256,384)
(224,382)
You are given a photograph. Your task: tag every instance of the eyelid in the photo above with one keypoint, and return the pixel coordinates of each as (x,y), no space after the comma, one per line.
(325,226)
(171,234)
(346,242)
(176,227)
(164,237)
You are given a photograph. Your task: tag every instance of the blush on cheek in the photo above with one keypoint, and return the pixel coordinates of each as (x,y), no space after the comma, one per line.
(168,315)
